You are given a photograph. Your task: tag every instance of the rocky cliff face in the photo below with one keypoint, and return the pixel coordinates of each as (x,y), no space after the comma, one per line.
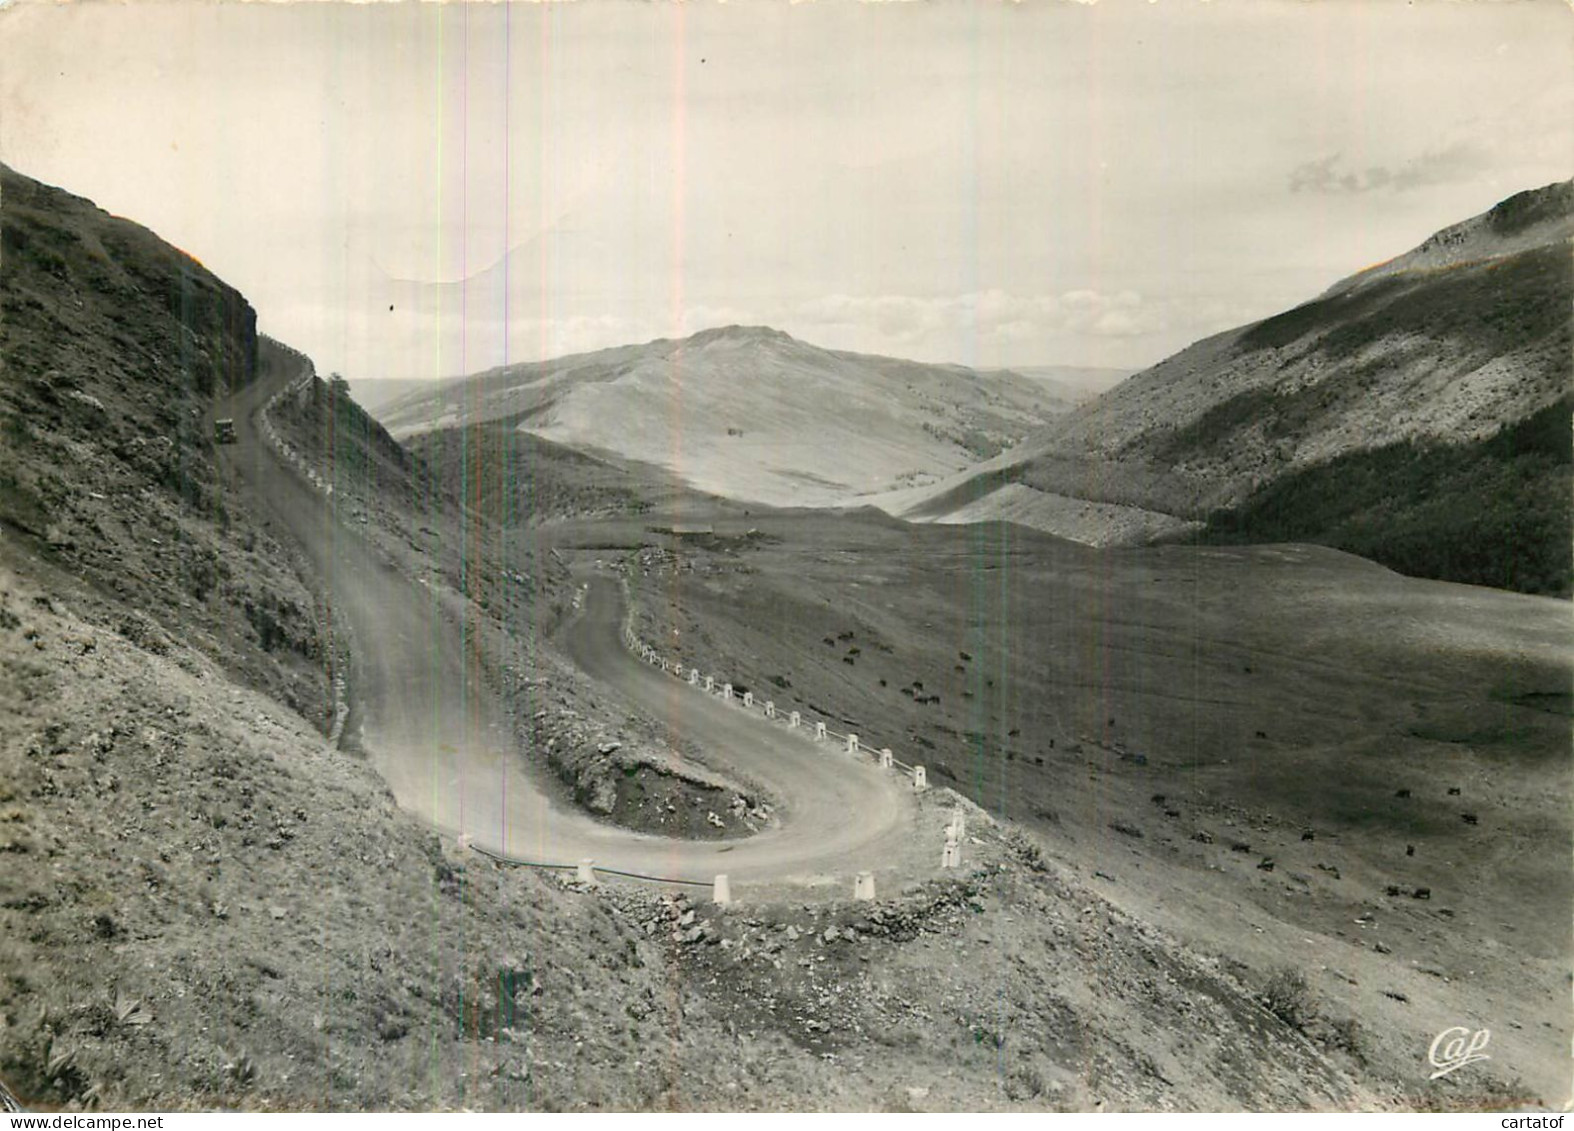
(113,346)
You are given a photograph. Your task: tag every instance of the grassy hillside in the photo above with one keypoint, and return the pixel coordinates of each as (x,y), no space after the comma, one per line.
(1495,513)
(1424,366)
(1283,752)
(750,413)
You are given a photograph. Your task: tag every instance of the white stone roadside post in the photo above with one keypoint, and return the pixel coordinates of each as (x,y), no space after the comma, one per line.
(952,856)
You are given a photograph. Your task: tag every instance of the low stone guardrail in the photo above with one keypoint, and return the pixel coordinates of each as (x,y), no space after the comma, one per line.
(287,452)
(851,743)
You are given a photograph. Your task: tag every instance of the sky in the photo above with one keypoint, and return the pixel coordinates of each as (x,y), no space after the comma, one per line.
(413,190)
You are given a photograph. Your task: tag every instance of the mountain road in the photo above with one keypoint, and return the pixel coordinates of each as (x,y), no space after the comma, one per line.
(434,727)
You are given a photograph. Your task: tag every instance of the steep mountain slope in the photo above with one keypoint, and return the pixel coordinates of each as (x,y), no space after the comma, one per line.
(112,347)
(1421,362)
(752,413)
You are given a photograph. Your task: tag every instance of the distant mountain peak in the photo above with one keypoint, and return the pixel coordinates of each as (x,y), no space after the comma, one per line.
(736,333)
(750,412)
(1535,217)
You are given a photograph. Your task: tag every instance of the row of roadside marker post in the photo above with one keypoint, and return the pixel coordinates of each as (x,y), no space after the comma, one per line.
(341,708)
(721,890)
(282,445)
(794,718)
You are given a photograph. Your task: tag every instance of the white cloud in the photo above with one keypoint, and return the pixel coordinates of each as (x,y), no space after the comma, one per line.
(1328,175)
(991,314)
